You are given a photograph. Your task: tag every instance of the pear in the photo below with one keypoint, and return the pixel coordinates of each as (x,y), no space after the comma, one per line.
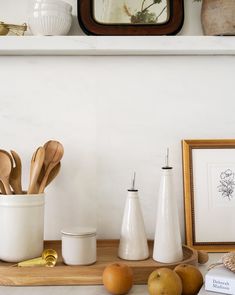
(164,281)
(191,277)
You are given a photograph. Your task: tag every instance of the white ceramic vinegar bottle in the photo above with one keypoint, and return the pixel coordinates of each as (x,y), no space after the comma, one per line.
(167,242)
(133,241)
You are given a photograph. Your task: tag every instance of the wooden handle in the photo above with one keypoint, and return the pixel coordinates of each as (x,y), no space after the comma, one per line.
(15,177)
(2,188)
(6,186)
(35,169)
(16,187)
(44,180)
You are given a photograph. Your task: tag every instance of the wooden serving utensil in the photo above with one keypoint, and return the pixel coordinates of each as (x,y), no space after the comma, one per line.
(49,153)
(54,172)
(35,169)
(16,172)
(2,189)
(53,154)
(51,147)
(5,171)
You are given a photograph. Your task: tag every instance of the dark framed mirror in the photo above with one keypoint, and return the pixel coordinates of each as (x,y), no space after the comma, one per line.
(131,17)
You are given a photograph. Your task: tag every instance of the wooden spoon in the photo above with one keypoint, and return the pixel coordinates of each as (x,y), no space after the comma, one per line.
(3,191)
(16,172)
(54,172)
(50,147)
(35,169)
(5,170)
(54,153)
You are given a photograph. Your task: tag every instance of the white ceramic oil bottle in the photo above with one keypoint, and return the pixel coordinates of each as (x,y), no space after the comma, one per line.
(167,242)
(133,241)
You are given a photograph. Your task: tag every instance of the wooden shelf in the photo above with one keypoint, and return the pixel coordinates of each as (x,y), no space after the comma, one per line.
(134,45)
(62,274)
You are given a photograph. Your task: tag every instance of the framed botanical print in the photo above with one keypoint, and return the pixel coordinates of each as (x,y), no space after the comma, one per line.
(209,194)
(131,17)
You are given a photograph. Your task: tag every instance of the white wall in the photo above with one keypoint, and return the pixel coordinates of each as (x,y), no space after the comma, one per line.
(114,115)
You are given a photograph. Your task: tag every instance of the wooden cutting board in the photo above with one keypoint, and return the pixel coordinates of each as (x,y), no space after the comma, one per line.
(83,275)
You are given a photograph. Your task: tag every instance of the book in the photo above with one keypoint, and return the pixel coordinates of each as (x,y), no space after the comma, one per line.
(204,292)
(220,279)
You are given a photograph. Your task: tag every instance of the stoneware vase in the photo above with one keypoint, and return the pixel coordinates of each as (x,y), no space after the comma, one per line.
(167,242)
(218,17)
(133,240)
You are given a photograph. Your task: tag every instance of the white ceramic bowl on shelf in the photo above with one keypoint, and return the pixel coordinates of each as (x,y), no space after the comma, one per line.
(51,6)
(50,17)
(59,3)
(49,23)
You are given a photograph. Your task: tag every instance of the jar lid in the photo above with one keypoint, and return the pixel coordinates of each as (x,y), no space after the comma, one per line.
(78,231)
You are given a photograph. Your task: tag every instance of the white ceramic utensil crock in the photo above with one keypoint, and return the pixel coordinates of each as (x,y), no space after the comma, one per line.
(21,227)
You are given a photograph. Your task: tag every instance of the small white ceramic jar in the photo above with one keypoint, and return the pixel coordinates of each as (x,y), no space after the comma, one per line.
(79,245)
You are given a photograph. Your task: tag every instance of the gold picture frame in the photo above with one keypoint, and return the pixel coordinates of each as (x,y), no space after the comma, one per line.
(209,193)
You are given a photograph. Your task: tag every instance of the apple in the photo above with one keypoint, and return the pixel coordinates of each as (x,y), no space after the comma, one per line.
(118,278)
(164,281)
(191,277)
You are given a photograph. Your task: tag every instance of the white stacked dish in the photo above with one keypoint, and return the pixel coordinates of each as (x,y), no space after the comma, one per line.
(50,17)
(51,5)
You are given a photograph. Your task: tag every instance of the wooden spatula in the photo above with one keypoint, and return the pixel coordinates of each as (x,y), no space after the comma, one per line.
(35,169)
